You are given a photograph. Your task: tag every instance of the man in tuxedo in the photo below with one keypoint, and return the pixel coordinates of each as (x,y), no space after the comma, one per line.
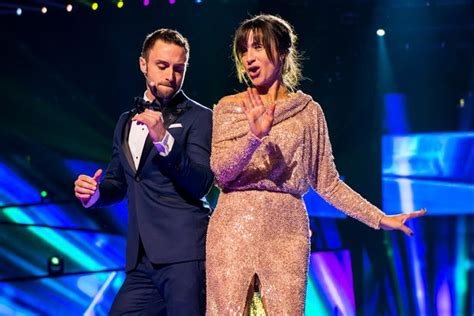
(160,162)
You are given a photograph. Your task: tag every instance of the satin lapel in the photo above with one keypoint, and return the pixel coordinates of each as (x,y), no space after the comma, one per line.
(173,111)
(125,146)
(146,151)
(169,118)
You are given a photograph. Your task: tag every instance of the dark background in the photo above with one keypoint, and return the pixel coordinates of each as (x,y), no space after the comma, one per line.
(66,77)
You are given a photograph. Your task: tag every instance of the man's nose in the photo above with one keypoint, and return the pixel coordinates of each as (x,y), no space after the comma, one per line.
(170,75)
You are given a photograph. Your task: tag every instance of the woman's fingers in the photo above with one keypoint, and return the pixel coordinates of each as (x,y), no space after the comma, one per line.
(271,109)
(244,107)
(406,230)
(417,213)
(248,96)
(414,215)
(252,98)
(256,97)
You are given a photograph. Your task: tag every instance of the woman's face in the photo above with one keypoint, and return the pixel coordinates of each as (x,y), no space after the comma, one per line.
(261,70)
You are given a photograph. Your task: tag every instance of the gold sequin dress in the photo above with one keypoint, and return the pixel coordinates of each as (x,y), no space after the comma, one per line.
(260,225)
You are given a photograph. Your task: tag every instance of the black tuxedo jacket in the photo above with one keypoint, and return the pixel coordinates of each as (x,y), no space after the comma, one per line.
(166,209)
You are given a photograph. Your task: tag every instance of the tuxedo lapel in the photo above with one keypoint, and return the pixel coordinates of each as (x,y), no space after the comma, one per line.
(146,150)
(171,112)
(125,146)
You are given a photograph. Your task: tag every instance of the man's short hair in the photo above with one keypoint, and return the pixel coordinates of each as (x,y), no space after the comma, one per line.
(167,36)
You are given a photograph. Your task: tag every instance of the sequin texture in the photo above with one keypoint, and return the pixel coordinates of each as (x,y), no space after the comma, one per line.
(260,225)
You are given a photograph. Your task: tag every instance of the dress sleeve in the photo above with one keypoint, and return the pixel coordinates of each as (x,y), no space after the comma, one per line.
(325,179)
(232,143)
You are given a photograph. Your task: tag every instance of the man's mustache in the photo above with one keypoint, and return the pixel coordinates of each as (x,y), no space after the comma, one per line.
(166,84)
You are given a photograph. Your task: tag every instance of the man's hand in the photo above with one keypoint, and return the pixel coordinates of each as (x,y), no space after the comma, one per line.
(85,186)
(154,122)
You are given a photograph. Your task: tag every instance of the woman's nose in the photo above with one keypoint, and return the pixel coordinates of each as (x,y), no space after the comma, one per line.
(249,57)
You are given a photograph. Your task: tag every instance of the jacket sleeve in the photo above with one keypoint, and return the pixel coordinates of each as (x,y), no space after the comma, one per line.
(113,186)
(188,166)
(325,179)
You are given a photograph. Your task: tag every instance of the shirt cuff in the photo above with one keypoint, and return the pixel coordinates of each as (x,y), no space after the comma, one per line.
(164,147)
(92,200)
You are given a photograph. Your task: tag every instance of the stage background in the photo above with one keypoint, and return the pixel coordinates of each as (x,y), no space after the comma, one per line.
(399,110)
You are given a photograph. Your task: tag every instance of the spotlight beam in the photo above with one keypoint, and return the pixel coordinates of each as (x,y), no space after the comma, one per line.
(4,206)
(98,297)
(70,229)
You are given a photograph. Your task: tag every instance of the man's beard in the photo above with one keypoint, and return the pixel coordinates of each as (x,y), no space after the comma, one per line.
(162,96)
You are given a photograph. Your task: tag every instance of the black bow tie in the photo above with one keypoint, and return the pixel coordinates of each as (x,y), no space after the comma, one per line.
(141,104)
(171,111)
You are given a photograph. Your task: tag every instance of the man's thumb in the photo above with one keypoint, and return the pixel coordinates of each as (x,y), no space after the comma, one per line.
(97,175)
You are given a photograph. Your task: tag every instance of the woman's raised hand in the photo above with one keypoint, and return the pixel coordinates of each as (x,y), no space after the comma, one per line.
(260,117)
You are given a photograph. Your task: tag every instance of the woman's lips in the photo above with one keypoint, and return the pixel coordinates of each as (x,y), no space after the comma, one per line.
(253,72)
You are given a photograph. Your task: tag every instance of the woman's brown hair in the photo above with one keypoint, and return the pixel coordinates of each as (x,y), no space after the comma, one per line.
(276,35)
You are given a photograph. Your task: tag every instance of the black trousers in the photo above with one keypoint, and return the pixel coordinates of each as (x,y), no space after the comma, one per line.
(162,289)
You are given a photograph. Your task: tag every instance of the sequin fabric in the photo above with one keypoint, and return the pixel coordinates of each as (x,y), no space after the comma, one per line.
(260,225)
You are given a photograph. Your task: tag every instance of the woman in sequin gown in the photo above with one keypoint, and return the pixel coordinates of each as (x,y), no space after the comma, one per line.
(269,145)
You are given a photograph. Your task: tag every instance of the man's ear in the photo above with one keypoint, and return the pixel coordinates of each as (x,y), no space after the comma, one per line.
(142,63)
